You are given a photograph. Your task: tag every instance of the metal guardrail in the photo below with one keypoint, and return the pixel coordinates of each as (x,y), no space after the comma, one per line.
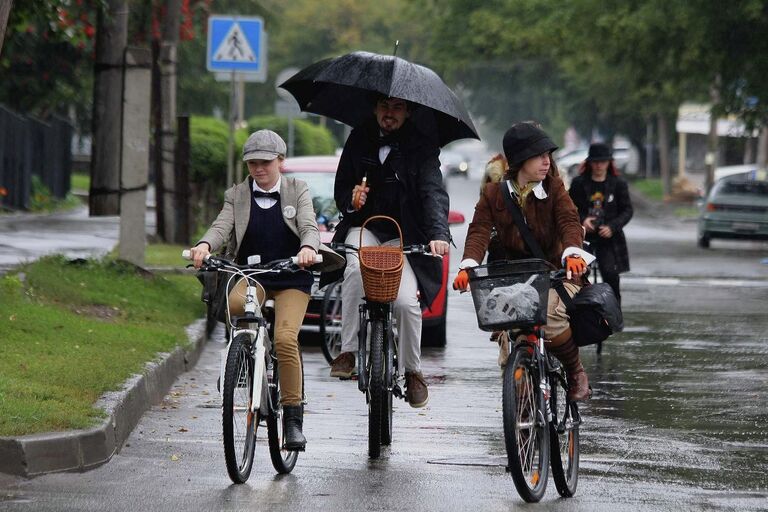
(31,147)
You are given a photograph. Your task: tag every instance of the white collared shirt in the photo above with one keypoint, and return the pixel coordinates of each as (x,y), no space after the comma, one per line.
(266,202)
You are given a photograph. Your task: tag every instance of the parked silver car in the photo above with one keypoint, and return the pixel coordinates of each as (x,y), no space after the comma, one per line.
(736,207)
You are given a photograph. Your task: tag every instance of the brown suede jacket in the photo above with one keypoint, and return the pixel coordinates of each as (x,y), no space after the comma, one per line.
(554,222)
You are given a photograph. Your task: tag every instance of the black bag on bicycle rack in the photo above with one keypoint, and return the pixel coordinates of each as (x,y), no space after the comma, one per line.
(594,311)
(214,293)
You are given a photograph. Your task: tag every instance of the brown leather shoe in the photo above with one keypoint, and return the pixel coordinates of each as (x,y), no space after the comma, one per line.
(578,386)
(416,392)
(344,365)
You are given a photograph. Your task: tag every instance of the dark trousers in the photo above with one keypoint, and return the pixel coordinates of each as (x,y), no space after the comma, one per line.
(606,263)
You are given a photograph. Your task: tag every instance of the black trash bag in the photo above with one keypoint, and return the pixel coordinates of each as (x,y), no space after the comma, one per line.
(595,314)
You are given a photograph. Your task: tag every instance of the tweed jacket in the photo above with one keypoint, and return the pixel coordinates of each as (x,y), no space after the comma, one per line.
(229,228)
(553,220)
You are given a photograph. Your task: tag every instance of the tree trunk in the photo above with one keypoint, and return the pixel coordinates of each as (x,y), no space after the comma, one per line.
(168,59)
(666,175)
(712,139)
(111,38)
(5,12)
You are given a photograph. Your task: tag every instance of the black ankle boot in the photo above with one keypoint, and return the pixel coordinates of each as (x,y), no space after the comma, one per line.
(293,422)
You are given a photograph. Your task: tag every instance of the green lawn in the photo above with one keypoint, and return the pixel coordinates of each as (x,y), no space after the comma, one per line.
(72,331)
(650,188)
(80,182)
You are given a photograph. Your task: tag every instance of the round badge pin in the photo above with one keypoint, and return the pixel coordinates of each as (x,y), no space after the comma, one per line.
(289,212)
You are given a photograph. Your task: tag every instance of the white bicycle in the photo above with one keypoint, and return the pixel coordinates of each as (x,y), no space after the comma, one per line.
(249,383)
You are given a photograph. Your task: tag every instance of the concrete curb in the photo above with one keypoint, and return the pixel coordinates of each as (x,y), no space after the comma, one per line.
(81,450)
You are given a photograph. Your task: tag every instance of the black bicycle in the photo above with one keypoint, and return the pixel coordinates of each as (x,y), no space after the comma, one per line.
(377,358)
(249,379)
(541,426)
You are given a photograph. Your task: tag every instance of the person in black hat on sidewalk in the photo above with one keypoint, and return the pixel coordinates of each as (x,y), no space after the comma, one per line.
(602,198)
(534,183)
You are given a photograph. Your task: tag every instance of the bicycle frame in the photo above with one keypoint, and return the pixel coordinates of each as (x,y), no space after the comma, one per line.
(258,333)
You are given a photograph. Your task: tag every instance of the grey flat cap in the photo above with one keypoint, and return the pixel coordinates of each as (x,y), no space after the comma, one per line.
(263,145)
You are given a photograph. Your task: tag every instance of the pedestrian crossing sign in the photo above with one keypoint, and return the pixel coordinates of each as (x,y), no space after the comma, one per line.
(237,44)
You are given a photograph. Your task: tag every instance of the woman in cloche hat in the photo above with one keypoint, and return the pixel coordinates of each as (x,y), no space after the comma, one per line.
(553,220)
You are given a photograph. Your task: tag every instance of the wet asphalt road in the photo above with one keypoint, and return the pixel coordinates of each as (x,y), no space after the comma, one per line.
(678,420)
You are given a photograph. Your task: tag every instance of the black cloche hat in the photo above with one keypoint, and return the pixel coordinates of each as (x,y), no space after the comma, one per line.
(523,141)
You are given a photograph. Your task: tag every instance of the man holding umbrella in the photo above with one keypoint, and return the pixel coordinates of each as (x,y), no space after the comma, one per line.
(402,113)
(403,181)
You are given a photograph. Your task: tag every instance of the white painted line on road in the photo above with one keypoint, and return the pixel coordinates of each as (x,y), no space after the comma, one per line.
(674,281)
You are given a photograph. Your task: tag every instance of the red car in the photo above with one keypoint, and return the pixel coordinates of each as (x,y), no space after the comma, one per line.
(319,172)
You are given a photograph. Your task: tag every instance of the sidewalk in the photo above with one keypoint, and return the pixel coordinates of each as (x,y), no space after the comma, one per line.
(26,237)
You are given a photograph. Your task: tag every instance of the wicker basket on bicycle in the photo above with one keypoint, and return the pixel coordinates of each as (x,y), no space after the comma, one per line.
(381,266)
(510,294)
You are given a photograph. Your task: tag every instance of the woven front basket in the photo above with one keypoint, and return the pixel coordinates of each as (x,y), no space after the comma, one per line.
(381,267)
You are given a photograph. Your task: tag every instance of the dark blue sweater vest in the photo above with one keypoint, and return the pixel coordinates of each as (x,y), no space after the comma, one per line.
(268,236)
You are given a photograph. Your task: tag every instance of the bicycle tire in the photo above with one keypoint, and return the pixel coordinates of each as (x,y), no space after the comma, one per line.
(389,376)
(377,388)
(330,322)
(239,424)
(563,436)
(282,460)
(525,429)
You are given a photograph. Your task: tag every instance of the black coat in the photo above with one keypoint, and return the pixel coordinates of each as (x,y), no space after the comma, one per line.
(423,199)
(618,211)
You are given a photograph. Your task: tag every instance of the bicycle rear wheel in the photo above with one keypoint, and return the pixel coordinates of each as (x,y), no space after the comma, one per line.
(377,389)
(525,426)
(239,424)
(563,436)
(282,460)
(330,322)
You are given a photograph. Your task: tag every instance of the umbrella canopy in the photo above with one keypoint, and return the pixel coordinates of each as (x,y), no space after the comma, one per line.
(342,88)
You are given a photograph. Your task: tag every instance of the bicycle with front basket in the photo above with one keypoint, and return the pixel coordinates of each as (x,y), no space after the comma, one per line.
(377,359)
(541,426)
(249,382)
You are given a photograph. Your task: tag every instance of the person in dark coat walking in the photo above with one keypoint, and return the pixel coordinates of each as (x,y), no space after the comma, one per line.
(403,181)
(602,198)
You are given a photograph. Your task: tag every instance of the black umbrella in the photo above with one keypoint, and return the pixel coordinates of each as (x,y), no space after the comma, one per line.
(341,88)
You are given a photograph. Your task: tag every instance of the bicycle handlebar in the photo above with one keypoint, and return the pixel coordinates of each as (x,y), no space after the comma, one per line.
(407,249)
(187,255)
(287,264)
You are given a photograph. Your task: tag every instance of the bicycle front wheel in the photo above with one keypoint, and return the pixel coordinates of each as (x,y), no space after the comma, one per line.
(330,322)
(239,423)
(563,436)
(389,382)
(377,389)
(282,460)
(525,425)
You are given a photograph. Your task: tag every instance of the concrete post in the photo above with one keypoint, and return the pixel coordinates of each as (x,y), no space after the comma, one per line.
(111,37)
(681,153)
(168,63)
(135,155)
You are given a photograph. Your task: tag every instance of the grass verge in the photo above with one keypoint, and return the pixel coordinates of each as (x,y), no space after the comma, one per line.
(72,331)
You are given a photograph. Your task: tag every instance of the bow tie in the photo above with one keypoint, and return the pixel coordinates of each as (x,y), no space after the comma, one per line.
(387,140)
(271,195)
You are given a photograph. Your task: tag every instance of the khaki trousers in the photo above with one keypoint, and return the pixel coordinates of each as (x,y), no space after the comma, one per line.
(290,307)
